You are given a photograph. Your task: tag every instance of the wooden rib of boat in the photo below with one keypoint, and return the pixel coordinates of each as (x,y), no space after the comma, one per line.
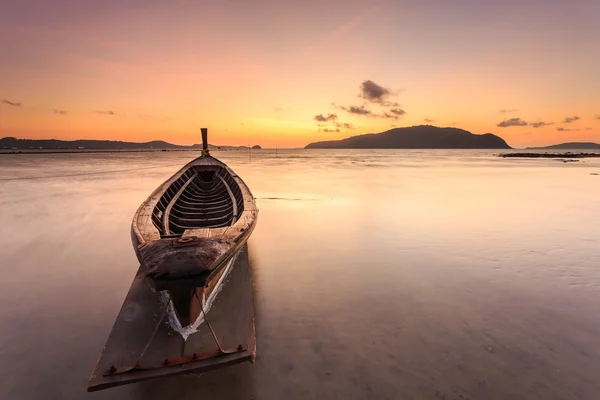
(189,308)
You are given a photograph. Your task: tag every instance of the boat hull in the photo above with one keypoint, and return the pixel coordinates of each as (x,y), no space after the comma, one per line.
(189,308)
(143,344)
(194,222)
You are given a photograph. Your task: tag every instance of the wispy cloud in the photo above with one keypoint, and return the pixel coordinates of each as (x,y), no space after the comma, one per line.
(358,110)
(540,124)
(345,125)
(568,120)
(330,130)
(507,111)
(561,129)
(105,112)
(597,116)
(393,113)
(60,112)
(428,120)
(322,118)
(11,103)
(278,109)
(511,122)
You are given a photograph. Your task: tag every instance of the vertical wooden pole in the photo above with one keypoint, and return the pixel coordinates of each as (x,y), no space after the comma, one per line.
(204,138)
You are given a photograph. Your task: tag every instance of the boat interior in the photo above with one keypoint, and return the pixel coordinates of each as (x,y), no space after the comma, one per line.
(206,197)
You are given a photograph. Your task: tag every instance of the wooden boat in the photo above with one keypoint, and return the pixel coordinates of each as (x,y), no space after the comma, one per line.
(180,316)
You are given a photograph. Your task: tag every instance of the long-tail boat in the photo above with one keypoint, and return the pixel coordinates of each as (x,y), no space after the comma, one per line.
(189,308)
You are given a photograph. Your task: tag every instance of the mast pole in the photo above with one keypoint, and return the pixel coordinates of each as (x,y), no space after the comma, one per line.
(204,141)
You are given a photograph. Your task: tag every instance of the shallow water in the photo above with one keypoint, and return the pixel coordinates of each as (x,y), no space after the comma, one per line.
(377,274)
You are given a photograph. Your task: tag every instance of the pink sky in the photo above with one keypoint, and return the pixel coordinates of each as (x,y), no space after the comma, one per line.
(260,71)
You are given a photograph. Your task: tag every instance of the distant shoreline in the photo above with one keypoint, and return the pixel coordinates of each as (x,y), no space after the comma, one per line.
(549,155)
(82,151)
(77,151)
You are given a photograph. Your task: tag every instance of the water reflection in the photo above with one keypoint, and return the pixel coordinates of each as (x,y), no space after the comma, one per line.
(392,274)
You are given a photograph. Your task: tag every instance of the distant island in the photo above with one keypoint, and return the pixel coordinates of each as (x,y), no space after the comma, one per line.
(416,137)
(256,147)
(570,146)
(13,143)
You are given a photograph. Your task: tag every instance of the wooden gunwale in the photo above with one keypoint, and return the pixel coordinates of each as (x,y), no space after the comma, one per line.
(167,212)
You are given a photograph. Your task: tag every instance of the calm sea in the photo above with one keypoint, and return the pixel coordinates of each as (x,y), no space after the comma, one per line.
(377,274)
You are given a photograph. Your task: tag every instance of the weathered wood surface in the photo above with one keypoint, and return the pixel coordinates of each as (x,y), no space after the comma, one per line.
(225,241)
(142,221)
(173,200)
(142,335)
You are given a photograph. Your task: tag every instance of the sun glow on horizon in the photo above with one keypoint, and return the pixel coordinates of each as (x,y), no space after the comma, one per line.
(261,73)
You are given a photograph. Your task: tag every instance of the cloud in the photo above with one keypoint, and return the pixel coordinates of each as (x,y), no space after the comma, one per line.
(597,116)
(330,130)
(568,120)
(321,118)
(344,125)
(561,129)
(371,91)
(357,110)
(393,113)
(540,124)
(506,111)
(428,120)
(511,122)
(375,94)
(60,112)
(278,109)
(11,103)
(105,112)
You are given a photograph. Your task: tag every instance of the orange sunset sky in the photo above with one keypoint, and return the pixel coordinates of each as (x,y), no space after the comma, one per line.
(288,73)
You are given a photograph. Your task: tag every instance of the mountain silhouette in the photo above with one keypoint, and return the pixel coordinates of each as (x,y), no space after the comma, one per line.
(416,137)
